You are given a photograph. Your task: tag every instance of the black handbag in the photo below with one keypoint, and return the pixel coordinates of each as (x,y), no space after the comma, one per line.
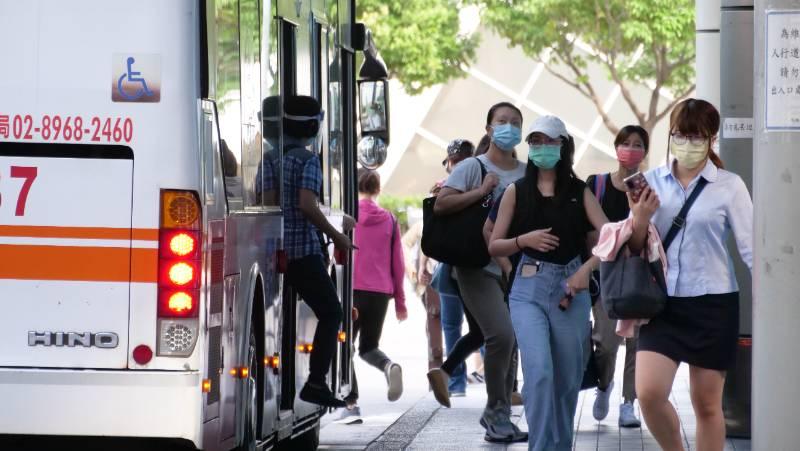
(457,238)
(591,374)
(633,287)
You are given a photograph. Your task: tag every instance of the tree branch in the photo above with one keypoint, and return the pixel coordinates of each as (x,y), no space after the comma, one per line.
(590,93)
(567,80)
(654,120)
(662,73)
(626,93)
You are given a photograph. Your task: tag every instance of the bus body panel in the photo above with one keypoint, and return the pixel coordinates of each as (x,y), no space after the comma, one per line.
(97,403)
(69,60)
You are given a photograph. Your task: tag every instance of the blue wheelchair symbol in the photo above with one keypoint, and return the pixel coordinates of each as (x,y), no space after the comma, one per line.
(133,77)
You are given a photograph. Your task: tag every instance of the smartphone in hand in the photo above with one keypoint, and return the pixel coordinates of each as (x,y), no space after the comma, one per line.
(636,185)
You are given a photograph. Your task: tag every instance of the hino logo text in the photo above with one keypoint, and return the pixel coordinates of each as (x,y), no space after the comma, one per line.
(107,340)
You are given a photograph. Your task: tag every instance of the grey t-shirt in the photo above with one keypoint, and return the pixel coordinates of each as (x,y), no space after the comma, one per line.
(466,176)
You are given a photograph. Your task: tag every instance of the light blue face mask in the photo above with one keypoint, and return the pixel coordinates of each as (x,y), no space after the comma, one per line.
(506,136)
(545,156)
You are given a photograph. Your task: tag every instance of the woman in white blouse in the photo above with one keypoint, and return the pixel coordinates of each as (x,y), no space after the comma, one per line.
(700,324)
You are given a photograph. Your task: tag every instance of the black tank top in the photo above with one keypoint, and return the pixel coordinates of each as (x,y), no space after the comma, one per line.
(565,214)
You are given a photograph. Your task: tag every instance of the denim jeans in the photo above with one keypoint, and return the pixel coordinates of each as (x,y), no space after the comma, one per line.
(452,318)
(551,343)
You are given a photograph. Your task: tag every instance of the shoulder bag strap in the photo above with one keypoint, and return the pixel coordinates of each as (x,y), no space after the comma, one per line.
(489,197)
(679,221)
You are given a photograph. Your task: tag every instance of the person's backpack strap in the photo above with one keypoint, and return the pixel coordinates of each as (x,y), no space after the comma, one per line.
(600,186)
(679,221)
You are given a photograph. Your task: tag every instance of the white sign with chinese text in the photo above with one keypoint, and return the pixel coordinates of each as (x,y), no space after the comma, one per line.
(783,70)
(737,127)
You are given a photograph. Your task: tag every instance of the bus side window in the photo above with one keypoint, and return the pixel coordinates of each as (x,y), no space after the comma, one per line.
(336,136)
(319,88)
(224,57)
(269,174)
(250,60)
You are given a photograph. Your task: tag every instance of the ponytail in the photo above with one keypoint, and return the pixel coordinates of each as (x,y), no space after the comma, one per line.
(715,159)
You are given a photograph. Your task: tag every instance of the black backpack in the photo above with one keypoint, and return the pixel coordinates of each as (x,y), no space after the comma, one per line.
(457,238)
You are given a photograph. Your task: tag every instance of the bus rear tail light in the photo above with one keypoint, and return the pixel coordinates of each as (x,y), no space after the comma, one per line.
(179,272)
(179,244)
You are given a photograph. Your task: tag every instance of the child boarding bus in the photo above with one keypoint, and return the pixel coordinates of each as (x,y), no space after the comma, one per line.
(140,264)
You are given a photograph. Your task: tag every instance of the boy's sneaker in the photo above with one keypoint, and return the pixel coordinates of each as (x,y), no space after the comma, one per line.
(458,394)
(394,378)
(439,381)
(627,416)
(350,416)
(475,378)
(600,410)
(320,395)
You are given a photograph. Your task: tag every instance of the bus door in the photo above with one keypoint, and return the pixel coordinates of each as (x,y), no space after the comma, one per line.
(213,196)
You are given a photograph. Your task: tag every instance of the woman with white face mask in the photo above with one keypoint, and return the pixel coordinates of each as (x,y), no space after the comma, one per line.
(631,144)
(547,216)
(700,324)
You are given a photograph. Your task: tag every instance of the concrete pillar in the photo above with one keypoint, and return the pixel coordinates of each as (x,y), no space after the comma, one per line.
(707,44)
(776,266)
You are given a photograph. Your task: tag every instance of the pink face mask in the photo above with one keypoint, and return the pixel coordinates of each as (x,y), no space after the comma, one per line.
(630,157)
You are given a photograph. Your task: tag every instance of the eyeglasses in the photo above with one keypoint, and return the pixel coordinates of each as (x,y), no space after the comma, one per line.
(538,141)
(681,139)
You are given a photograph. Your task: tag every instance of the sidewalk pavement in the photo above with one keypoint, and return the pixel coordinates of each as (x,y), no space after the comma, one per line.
(427,426)
(417,422)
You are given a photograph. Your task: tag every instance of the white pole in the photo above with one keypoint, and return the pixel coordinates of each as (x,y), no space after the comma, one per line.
(707,65)
(776,266)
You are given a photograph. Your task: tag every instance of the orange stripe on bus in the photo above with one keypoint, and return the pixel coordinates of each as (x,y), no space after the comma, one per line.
(87,264)
(98,233)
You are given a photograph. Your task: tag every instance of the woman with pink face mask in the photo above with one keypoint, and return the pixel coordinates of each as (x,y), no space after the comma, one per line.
(631,144)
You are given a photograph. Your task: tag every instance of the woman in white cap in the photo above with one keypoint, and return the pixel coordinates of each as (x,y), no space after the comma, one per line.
(547,215)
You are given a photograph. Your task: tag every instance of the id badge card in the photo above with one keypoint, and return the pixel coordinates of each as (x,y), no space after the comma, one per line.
(529,270)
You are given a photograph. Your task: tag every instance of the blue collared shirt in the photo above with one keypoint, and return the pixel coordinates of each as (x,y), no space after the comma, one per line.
(698,261)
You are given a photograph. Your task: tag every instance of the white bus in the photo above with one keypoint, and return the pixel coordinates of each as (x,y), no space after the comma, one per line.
(141,280)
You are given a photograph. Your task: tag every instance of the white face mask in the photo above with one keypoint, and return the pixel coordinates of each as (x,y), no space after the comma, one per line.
(689,155)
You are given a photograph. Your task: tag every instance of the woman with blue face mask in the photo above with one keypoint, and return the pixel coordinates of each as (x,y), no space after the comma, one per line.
(547,216)
(483,289)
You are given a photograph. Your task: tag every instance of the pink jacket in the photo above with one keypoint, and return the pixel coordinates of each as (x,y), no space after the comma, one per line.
(613,236)
(378,262)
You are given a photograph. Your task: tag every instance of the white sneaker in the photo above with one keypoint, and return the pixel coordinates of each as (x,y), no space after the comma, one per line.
(350,416)
(394,378)
(600,410)
(627,416)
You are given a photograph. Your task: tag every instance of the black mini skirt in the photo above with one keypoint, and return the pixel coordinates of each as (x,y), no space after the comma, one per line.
(701,331)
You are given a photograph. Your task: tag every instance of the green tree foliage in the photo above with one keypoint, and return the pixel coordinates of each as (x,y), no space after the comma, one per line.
(419,39)
(645,42)
(399,205)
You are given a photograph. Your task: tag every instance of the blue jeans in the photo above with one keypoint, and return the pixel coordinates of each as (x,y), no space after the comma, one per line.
(452,318)
(551,343)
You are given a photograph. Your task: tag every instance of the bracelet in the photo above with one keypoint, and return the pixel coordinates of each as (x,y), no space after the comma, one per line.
(516,241)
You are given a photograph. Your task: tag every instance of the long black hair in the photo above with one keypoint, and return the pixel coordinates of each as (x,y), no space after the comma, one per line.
(497,106)
(564,174)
